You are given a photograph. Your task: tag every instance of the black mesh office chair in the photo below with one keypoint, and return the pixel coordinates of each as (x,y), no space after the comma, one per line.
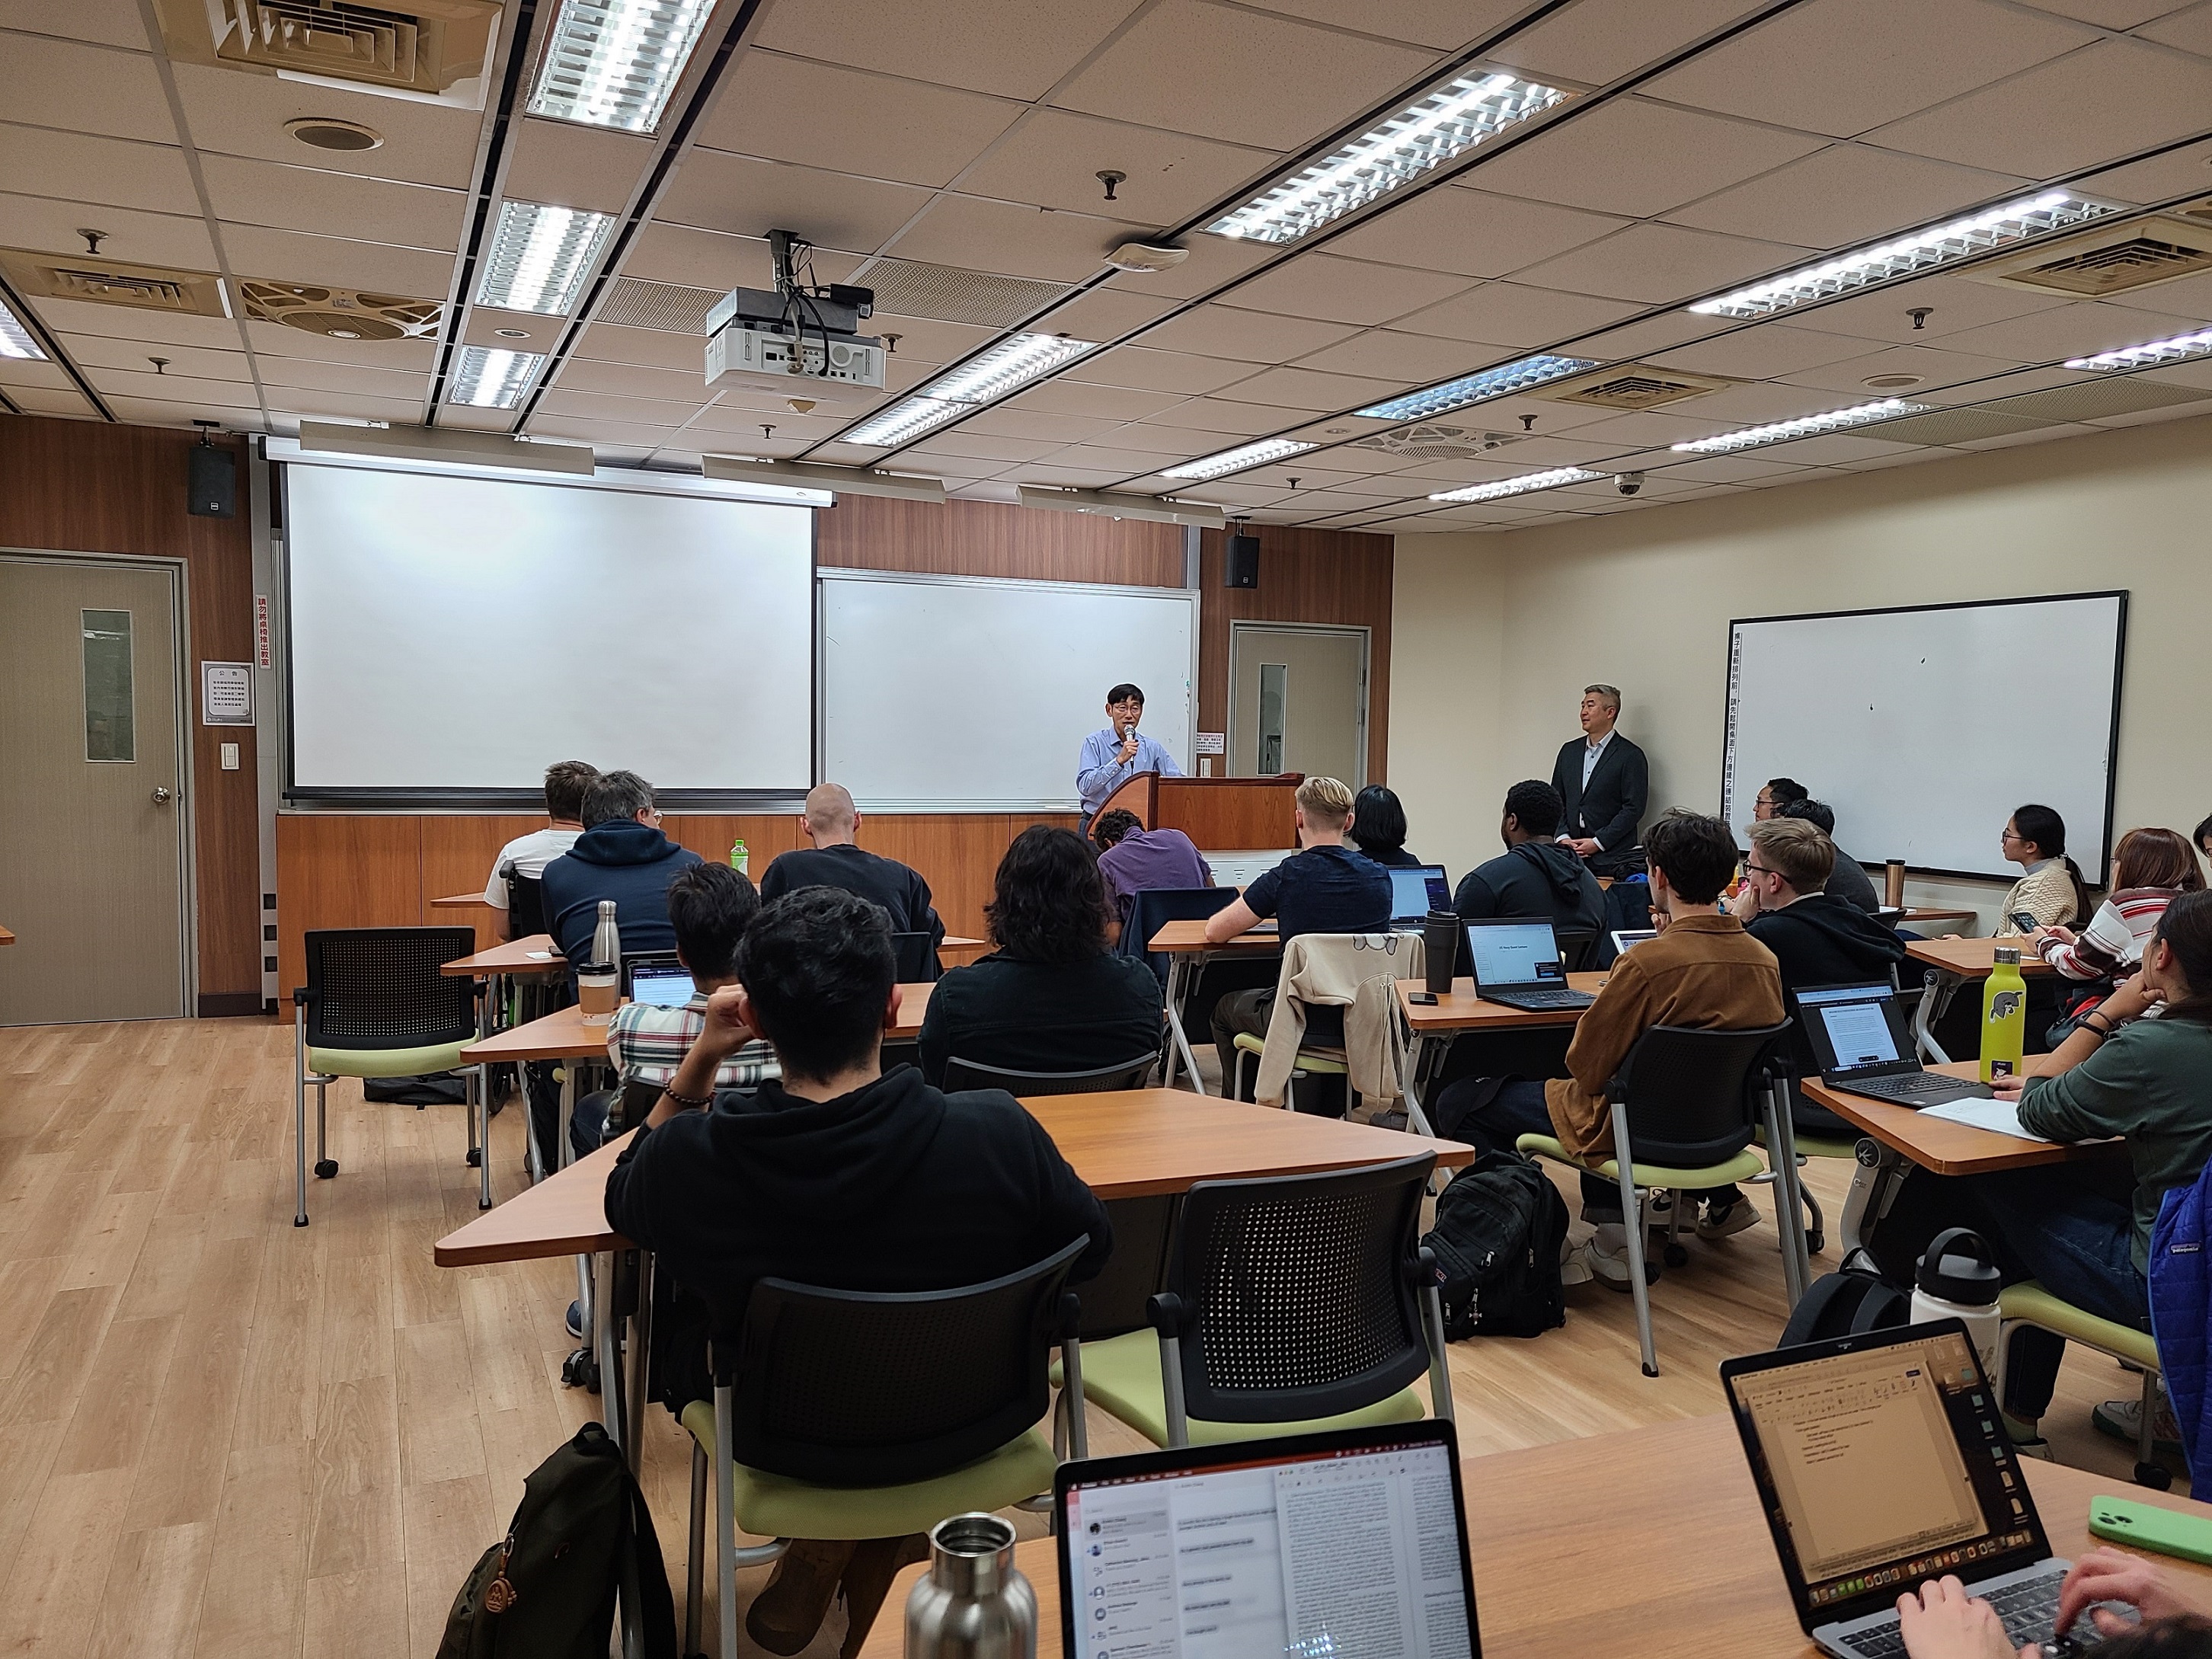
(525,906)
(973,1075)
(1575,946)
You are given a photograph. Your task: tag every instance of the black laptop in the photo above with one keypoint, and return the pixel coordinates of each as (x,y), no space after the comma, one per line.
(1416,890)
(1882,1462)
(1859,1037)
(1516,962)
(657,977)
(1316,1547)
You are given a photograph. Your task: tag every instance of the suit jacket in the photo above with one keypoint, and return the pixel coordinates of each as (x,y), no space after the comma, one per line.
(1612,810)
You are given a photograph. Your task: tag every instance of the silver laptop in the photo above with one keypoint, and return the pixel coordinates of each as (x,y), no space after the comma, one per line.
(1518,962)
(1416,890)
(1860,1039)
(1882,1462)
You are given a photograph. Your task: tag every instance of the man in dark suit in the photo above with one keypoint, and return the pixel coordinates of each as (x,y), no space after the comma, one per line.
(1603,781)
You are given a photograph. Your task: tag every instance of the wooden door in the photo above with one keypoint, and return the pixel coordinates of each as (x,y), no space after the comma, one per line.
(91,791)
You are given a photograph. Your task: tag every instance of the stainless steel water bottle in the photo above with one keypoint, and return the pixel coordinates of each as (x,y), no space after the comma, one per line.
(973,1604)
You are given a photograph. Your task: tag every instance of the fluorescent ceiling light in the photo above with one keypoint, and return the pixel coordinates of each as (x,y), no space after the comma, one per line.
(806,474)
(485,377)
(1445,122)
(1521,485)
(540,256)
(444,445)
(16,340)
(1235,460)
(1007,367)
(1805,426)
(1159,509)
(1476,388)
(2180,349)
(1923,250)
(613,62)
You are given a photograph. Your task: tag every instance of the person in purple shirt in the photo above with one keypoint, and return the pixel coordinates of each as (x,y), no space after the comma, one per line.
(1134,860)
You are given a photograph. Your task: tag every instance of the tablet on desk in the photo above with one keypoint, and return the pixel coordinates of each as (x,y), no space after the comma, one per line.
(660,984)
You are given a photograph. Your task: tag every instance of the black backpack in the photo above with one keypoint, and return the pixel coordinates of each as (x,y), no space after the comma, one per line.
(547,1590)
(1854,1299)
(1499,1226)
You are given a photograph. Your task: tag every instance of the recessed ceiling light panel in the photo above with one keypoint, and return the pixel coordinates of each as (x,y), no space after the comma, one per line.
(16,340)
(1476,388)
(1805,426)
(2177,349)
(1904,256)
(1442,123)
(1010,364)
(1235,460)
(614,62)
(485,377)
(539,257)
(1521,486)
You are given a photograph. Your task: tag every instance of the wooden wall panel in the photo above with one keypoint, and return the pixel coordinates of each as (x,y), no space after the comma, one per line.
(992,538)
(456,858)
(86,487)
(354,871)
(1306,576)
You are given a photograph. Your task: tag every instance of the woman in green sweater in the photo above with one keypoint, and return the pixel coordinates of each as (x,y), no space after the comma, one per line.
(2083,1229)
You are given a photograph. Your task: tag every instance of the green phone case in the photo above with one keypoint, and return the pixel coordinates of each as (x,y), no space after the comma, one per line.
(2147,1527)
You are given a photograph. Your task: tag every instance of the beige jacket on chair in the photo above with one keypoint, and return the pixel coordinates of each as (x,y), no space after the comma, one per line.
(1354,972)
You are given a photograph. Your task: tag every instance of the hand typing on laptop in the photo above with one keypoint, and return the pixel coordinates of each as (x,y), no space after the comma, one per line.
(1940,1620)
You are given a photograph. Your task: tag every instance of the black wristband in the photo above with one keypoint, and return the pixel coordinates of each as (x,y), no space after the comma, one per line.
(689,1102)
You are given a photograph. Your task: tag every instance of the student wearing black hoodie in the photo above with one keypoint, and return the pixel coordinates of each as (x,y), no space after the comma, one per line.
(837,1176)
(622,855)
(1538,875)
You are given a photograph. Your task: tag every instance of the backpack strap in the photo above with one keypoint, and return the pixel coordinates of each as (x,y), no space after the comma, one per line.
(645,1592)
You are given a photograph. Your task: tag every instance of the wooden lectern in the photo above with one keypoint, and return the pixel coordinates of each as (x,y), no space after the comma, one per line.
(1218,814)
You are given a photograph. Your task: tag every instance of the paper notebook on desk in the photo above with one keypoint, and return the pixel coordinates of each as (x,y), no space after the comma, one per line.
(2001,1115)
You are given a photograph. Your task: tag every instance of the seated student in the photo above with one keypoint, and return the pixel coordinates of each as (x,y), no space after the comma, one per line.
(528,855)
(2052,891)
(1379,827)
(2084,1228)
(832,823)
(2202,837)
(1326,887)
(1134,860)
(1704,970)
(2149,868)
(1051,998)
(1940,1620)
(837,1176)
(622,855)
(1848,881)
(1536,875)
(1775,794)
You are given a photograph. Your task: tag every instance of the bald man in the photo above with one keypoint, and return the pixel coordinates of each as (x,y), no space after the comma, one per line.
(832,823)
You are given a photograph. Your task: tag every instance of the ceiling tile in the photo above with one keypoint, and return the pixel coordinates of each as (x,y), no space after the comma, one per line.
(1472,232)
(1663,332)
(1507,313)
(2105,100)
(1072,477)
(637,411)
(2072,330)
(1120,463)
(301,373)
(1424,22)
(282,256)
(650,438)
(236,113)
(1843,66)
(1053,159)
(790,110)
(922,339)
(1221,416)
(48,83)
(1213,261)
(1105,313)
(650,347)
(1152,439)
(192,362)
(86,168)
(2186,296)
(131,323)
(255,192)
(152,239)
(1145,370)
(1638,158)
(1842,449)
(2191,29)
(1187,66)
(1760,353)
(181,411)
(1408,358)
(1735,469)
(1011,240)
(143,382)
(2107,14)
(107,22)
(716,191)
(1846,194)
(1657,263)
(700,258)
(1216,330)
(1952,303)
(1755,404)
(1065,397)
(633,380)
(1299,388)
(960,444)
(20,375)
(1331,290)
(745,424)
(67,404)
(1600,40)
(569,165)
(1009,422)
(275,340)
(2172,174)
(1015,48)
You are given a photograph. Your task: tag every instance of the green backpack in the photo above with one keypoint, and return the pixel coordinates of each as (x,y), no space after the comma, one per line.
(548,1590)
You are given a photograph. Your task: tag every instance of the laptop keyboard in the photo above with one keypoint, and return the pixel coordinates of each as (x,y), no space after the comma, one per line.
(1908,1084)
(1564,999)
(2028,1610)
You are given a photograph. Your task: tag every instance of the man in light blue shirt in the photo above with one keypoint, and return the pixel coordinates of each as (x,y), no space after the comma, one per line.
(1111,757)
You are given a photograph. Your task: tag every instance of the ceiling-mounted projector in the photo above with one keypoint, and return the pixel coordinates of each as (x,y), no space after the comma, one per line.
(798,330)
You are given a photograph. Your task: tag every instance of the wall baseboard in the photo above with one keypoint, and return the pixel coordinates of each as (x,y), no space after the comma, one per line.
(232,1005)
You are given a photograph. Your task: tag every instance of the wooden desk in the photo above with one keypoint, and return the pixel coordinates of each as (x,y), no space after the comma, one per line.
(563,1033)
(460,901)
(1956,962)
(1435,1029)
(1577,1572)
(1183,944)
(6,937)
(1913,915)
(535,954)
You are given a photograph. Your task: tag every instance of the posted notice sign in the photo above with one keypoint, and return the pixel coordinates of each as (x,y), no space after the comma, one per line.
(226,693)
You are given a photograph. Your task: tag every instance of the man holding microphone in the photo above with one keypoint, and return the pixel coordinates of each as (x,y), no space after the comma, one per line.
(1112,757)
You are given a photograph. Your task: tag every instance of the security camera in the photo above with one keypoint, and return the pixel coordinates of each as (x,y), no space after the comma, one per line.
(1630,482)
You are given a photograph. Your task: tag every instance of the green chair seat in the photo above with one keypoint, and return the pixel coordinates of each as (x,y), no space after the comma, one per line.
(1312,1061)
(2031,1304)
(777,1506)
(1820,1145)
(386,1062)
(1122,1376)
(1742,1167)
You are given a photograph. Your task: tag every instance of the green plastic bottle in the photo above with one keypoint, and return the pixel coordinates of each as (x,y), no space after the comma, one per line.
(2004,1016)
(739,858)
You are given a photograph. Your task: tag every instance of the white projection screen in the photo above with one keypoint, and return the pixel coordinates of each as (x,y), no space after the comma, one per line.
(454,634)
(954,694)
(1924,728)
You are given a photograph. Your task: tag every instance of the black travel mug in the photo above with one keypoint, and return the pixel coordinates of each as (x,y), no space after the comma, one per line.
(1440,941)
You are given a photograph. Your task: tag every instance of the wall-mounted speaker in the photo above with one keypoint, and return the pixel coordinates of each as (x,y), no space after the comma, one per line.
(212,483)
(1240,567)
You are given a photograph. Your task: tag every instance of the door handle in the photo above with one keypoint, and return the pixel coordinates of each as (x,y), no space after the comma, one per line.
(162,797)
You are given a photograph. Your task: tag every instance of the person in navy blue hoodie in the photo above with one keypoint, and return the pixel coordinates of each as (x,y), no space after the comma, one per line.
(622,855)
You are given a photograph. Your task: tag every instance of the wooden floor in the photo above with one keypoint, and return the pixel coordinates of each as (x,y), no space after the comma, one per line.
(220,1435)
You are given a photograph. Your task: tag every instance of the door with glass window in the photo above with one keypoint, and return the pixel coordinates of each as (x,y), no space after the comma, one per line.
(92,781)
(1298,701)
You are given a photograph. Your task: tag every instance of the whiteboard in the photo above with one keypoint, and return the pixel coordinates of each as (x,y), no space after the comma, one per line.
(460,633)
(1925,728)
(959,694)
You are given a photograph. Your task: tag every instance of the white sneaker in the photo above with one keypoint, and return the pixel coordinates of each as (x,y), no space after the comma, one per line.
(1573,1269)
(1606,1255)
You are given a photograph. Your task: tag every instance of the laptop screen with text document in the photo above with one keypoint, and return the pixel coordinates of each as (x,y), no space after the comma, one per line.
(1514,953)
(1854,1027)
(663,984)
(1416,890)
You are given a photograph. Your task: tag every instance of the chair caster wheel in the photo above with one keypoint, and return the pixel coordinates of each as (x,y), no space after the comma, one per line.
(2153,1476)
(1650,1371)
(1650,1273)
(1676,1255)
(1815,1242)
(325,1168)
(580,1369)
(475,1157)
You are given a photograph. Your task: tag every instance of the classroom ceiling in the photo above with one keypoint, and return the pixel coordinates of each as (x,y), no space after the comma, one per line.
(947,156)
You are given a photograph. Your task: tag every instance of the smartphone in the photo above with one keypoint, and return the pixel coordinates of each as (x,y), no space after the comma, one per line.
(2147,1527)
(1426,999)
(2025,923)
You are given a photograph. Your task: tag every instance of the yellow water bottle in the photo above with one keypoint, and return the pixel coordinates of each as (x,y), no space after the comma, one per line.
(2004,1016)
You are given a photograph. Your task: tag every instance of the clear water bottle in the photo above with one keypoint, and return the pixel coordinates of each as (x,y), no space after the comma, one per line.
(606,939)
(973,1604)
(740,857)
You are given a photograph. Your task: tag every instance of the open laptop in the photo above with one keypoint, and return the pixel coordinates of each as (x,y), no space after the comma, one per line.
(1341,1544)
(1859,1037)
(1416,890)
(1517,962)
(1623,938)
(1882,1462)
(658,979)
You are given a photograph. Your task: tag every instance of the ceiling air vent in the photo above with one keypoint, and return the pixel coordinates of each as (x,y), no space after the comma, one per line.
(947,294)
(340,314)
(112,282)
(432,49)
(1631,387)
(1433,441)
(2095,265)
(636,303)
